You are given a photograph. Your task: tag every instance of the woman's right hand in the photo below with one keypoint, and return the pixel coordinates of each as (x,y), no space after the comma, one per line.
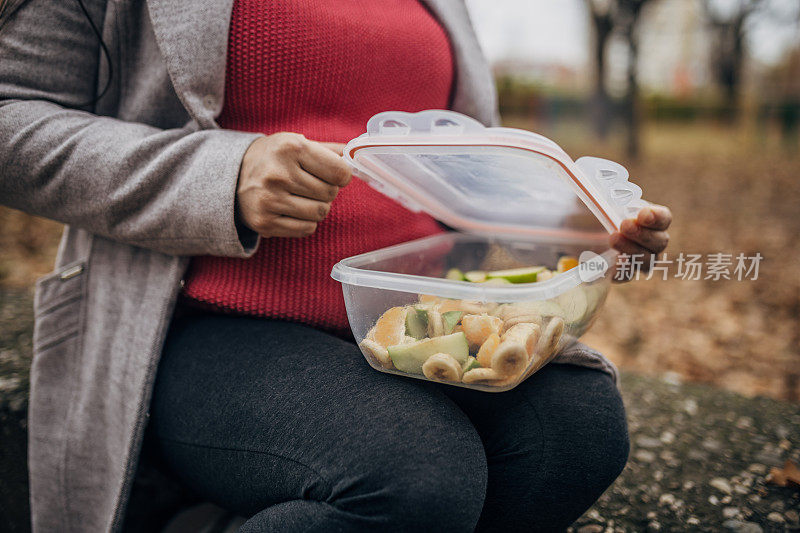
(287,183)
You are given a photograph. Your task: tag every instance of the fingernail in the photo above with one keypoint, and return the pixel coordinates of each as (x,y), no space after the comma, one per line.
(649,216)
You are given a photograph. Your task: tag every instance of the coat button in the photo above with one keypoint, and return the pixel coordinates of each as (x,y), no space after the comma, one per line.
(209,101)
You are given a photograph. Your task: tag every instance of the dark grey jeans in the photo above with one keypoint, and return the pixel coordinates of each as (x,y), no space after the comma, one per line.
(289,426)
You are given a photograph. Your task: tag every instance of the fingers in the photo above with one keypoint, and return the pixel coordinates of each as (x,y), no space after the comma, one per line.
(323,163)
(620,242)
(290,227)
(623,244)
(655,217)
(304,184)
(336,148)
(302,208)
(653,240)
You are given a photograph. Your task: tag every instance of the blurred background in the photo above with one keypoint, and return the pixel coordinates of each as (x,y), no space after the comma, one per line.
(701,100)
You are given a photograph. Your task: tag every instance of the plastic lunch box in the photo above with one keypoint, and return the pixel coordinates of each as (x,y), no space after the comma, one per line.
(516,200)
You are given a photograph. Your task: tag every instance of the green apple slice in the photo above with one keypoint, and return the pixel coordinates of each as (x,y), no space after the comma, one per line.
(417,323)
(455,274)
(450,319)
(470,364)
(475,276)
(497,281)
(517,275)
(410,357)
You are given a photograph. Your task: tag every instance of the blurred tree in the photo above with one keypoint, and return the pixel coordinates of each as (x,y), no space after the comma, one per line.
(621,17)
(601,13)
(727,22)
(780,97)
(629,16)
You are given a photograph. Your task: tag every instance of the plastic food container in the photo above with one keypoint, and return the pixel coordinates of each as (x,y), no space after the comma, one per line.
(522,278)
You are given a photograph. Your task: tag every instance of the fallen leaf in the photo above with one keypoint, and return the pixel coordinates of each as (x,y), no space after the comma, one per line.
(788,476)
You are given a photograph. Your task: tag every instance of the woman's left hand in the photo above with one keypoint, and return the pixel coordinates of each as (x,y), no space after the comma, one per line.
(644,236)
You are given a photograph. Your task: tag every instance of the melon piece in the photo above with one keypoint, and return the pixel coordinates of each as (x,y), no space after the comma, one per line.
(410,357)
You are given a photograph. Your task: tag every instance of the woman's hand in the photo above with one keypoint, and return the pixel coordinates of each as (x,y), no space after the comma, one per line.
(287,183)
(644,236)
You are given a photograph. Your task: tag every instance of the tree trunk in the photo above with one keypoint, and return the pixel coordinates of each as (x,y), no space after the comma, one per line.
(601,105)
(632,111)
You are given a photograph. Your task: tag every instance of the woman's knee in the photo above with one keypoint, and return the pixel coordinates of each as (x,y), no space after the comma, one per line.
(576,444)
(432,477)
(590,446)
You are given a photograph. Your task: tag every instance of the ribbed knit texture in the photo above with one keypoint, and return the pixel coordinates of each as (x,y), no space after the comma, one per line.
(322,68)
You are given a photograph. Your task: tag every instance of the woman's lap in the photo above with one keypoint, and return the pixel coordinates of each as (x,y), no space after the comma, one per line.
(289,424)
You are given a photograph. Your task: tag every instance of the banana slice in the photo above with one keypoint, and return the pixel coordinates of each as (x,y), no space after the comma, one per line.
(524,333)
(522,319)
(486,350)
(435,324)
(548,343)
(482,375)
(510,358)
(378,352)
(477,328)
(442,367)
(551,336)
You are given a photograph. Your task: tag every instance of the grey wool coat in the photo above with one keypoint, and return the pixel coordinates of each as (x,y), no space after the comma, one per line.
(143,178)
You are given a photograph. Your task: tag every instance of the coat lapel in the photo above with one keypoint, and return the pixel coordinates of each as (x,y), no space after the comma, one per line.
(193,38)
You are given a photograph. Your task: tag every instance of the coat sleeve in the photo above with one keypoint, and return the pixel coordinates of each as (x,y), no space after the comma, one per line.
(168,190)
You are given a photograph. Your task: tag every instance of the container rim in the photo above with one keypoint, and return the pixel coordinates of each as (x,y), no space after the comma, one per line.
(351,271)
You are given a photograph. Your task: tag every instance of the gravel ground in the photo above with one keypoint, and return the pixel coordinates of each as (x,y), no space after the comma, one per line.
(699,455)
(699,459)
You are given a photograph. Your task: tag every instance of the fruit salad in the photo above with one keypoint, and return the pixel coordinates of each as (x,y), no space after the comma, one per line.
(479,343)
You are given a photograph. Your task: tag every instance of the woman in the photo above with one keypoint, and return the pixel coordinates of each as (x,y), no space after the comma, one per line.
(164,140)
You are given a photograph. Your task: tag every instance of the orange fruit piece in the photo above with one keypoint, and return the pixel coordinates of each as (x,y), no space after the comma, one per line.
(390,329)
(477,328)
(565,263)
(486,350)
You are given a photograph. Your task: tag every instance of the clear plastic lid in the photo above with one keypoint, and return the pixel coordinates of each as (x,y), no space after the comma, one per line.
(497,181)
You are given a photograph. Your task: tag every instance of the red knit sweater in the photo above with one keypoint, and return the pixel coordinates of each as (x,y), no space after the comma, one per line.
(322,68)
